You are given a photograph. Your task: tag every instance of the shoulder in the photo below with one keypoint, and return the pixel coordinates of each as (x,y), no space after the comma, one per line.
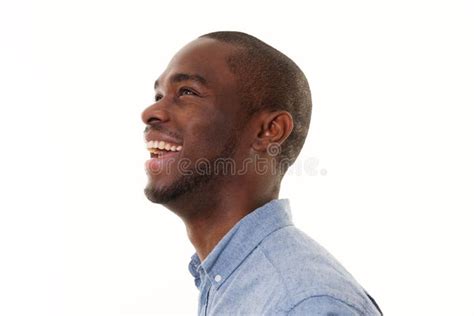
(311,276)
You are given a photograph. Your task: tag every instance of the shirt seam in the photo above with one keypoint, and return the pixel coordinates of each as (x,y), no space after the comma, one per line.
(329,296)
(261,248)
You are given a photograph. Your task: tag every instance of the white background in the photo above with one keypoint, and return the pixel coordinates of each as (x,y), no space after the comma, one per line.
(392,85)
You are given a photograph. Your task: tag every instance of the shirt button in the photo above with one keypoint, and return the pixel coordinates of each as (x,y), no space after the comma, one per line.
(217,278)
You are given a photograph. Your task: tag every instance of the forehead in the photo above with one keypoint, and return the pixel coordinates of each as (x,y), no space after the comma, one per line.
(203,57)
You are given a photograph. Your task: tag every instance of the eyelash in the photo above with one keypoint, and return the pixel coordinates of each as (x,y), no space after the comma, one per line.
(187,89)
(159,96)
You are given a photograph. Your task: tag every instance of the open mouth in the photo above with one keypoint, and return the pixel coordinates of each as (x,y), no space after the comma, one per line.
(159,148)
(160,151)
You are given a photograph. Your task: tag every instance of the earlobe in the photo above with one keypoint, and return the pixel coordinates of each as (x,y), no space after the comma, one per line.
(260,144)
(262,139)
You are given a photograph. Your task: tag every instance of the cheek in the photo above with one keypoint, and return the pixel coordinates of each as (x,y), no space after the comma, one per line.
(209,135)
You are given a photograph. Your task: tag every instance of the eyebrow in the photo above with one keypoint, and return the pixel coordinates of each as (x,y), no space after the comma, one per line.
(180,77)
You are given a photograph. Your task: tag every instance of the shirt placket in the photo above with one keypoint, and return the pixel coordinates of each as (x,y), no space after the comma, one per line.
(204,297)
(211,289)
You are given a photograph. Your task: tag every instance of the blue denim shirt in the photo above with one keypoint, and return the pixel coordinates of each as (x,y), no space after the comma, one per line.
(266,266)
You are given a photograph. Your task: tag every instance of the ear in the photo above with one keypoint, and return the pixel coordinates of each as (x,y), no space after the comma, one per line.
(272,127)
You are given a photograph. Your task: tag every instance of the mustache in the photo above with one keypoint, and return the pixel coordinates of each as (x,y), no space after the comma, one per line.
(157,127)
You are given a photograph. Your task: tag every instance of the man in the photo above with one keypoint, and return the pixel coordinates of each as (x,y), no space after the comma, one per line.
(231,114)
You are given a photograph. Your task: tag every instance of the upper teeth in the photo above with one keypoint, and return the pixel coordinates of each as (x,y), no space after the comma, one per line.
(162,145)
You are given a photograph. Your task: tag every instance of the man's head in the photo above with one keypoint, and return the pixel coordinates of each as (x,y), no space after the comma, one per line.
(226,95)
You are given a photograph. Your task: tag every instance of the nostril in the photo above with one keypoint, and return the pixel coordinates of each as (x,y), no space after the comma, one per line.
(152,120)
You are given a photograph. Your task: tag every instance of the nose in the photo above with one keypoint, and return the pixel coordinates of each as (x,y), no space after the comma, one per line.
(154,113)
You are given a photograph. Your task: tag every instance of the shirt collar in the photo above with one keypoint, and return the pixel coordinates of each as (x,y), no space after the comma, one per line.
(240,241)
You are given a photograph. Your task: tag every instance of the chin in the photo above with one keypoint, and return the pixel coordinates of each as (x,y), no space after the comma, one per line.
(181,187)
(159,194)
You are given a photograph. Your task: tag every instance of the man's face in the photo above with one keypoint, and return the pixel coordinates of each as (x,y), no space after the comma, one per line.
(197,114)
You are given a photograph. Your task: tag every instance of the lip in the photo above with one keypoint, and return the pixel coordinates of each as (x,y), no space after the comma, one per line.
(152,136)
(158,162)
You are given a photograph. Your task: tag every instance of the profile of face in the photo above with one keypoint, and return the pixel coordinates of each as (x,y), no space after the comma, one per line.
(196,118)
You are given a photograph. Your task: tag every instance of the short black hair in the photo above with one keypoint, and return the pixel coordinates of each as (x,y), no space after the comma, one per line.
(269,80)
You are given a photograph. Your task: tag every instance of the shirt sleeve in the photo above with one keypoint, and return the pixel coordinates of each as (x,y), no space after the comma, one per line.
(323,306)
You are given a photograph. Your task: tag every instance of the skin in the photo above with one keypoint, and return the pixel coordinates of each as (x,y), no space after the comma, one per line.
(208,120)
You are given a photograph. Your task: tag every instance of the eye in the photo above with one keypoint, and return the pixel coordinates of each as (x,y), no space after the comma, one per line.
(158,97)
(186,91)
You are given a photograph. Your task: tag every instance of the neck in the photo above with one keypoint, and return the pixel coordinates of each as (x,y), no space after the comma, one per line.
(208,217)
